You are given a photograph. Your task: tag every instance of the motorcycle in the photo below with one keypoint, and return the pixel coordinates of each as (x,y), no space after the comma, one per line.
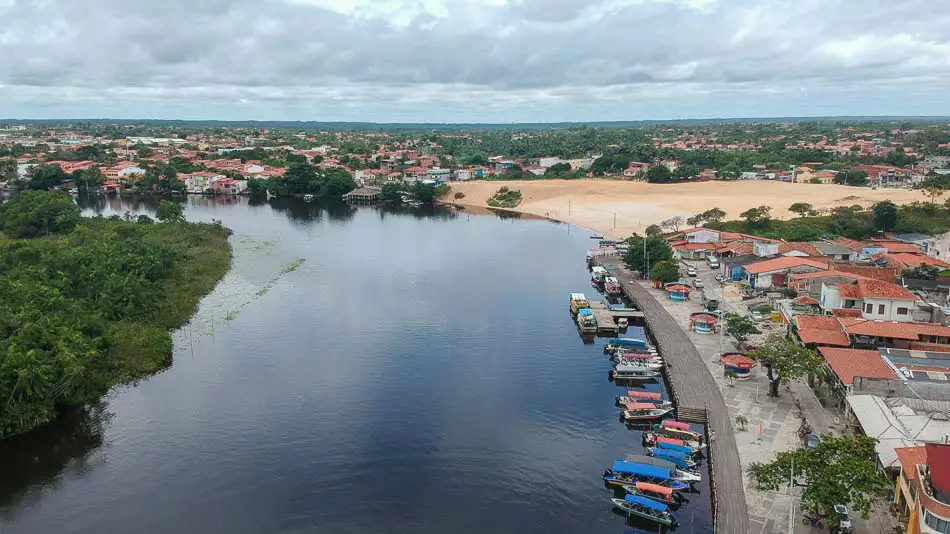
(813,520)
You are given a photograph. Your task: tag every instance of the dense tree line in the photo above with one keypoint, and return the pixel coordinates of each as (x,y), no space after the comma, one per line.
(303,178)
(87,303)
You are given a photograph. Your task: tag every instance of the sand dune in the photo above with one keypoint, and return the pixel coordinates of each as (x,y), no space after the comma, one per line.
(618,208)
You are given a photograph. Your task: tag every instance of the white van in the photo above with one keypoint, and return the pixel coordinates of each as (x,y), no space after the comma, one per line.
(713,262)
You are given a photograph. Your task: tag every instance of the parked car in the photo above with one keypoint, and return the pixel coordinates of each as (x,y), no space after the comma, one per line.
(691,271)
(720,278)
(812,441)
(697,283)
(756,315)
(841,515)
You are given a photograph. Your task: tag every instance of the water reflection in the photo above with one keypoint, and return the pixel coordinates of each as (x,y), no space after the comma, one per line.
(37,459)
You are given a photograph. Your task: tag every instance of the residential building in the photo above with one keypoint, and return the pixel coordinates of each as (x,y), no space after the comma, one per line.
(122,171)
(923,490)
(876,299)
(775,272)
(463,174)
(199,182)
(228,186)
(438,174)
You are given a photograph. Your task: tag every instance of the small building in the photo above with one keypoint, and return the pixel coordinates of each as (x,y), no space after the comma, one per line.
(923,491)
(775,272)
(876,299)
(228,186)
(364,195)
(703,323)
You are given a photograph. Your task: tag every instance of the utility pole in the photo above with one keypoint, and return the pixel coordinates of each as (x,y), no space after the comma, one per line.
(791,499)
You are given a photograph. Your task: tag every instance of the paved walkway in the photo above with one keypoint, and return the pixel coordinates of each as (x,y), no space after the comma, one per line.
(693,386)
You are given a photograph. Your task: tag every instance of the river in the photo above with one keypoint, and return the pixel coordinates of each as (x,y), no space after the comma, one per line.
(359,370)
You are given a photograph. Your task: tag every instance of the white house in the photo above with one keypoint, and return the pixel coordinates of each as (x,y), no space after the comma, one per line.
(199,182)
(878,300)
(549,162)
(702,235)
(463,174)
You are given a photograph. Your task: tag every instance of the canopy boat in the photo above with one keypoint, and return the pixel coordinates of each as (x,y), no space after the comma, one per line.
(655,492)
(623,323)
(612,286)
(648,460)
(633,358)
(645,508)
(683,475)
(644,412)
(597,275)
(675,424)
(627,342)
(676,431)
(635,363)
(633,374)
(679,458)
(578,302)
(652,438)
(620,308)
(628,473)
(644,396)
(586,320)
(674,444)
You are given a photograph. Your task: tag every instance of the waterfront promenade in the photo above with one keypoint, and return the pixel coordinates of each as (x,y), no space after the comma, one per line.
(695,393)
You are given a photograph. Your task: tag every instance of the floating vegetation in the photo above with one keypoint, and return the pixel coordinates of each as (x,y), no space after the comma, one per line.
(232,315)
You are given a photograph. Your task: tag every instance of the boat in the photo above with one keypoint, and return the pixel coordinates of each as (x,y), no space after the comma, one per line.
(685,475)
(655,492)
(627,342)
(586,321)
(644,396)
(675,445)
(578,302)
(620,308)
(612,286)
(637,363)
(620,357)
(676,430)
(633,374)
(679,458)
(653,438)
(597,275)
(648,460)
(308,198)
(642,411)
(623,323)
(627,473)
(645,508)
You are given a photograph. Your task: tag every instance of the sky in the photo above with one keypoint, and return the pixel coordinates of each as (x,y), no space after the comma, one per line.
(497,61)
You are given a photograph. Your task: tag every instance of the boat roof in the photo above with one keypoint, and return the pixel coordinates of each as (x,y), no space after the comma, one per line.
(646,503)
(611,279)
(670,453)
(655,488)
(598,269)
(578,296)
(633,341)
(670,441)
(630,468)
(675,424)
(586,311)
(644,394)
(640,406)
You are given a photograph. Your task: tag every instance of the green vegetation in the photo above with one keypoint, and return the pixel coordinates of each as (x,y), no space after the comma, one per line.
(740,327)
(656,248)
(840,470)
(303,179)
(784,360)
(425,193)
(665,271)
(89,304)
(505,198)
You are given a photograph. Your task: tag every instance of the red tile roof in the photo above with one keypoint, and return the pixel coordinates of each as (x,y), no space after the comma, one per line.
(850,363)
(855,246)
(846,312)
(892,329)
(810,301)
(807,248)
(916,260)
(909,458)
(818,330)
(787,262)
(823,274)
(878,289)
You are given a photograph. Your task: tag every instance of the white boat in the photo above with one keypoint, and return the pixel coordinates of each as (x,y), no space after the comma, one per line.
(682,475)
(623,322)
(633,397)
(633,374)
(644,412)
(637,365)
(308,198)
(627,358)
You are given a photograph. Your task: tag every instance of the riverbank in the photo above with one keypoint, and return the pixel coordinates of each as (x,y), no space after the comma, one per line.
(94,307)
(618,208)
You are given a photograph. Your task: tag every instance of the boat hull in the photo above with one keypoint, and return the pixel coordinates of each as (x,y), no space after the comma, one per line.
(663,519)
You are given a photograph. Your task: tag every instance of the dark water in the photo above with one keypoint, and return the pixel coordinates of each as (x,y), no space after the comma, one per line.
(419,373)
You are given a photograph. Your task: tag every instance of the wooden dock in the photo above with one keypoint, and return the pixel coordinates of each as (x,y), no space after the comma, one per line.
(607,318)
(697,399)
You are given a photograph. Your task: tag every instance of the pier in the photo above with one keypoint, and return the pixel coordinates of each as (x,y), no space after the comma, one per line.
(607,318)
(697,399)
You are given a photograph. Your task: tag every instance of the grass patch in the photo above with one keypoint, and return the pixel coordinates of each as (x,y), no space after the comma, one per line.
(505,198)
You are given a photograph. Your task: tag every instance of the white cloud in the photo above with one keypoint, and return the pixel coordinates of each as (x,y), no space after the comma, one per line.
(469,60)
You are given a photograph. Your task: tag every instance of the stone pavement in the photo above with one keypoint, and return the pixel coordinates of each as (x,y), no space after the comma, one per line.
(772,423)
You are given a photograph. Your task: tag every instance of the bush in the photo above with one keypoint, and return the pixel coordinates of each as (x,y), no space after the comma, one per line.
(38,213)
(505,198)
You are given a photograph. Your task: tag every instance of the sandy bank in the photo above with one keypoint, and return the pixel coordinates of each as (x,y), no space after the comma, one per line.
(618,208)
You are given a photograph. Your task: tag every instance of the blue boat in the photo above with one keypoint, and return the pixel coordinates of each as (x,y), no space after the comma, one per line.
(680,458)
(681,449)
(627,342)
(624,473)
(645,508)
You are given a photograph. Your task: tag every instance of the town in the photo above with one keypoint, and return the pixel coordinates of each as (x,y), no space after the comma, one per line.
(236,160)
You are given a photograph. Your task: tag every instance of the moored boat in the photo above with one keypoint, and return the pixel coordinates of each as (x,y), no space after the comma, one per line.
(655,492)
(612,286)
(586,321)
(675,429)
(644,396)
(644,412)
(623,323)
(632,357)
(646,508)
(578,302)
(679,458)
(624,473)
(624,365)
(633,374)
(597,275)
(653,438)
(648,460)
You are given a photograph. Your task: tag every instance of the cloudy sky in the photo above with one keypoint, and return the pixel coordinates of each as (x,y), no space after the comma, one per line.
(472,60)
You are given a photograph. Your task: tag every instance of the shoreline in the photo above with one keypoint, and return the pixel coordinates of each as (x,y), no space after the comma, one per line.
(618,208)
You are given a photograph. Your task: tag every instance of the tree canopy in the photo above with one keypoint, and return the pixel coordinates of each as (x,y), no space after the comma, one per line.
(38,213)
(784,360)
(885,215)
(740,327)
(840,470)
(757,216)
(665,271)
(657,250)
(802,209)
(170,212)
